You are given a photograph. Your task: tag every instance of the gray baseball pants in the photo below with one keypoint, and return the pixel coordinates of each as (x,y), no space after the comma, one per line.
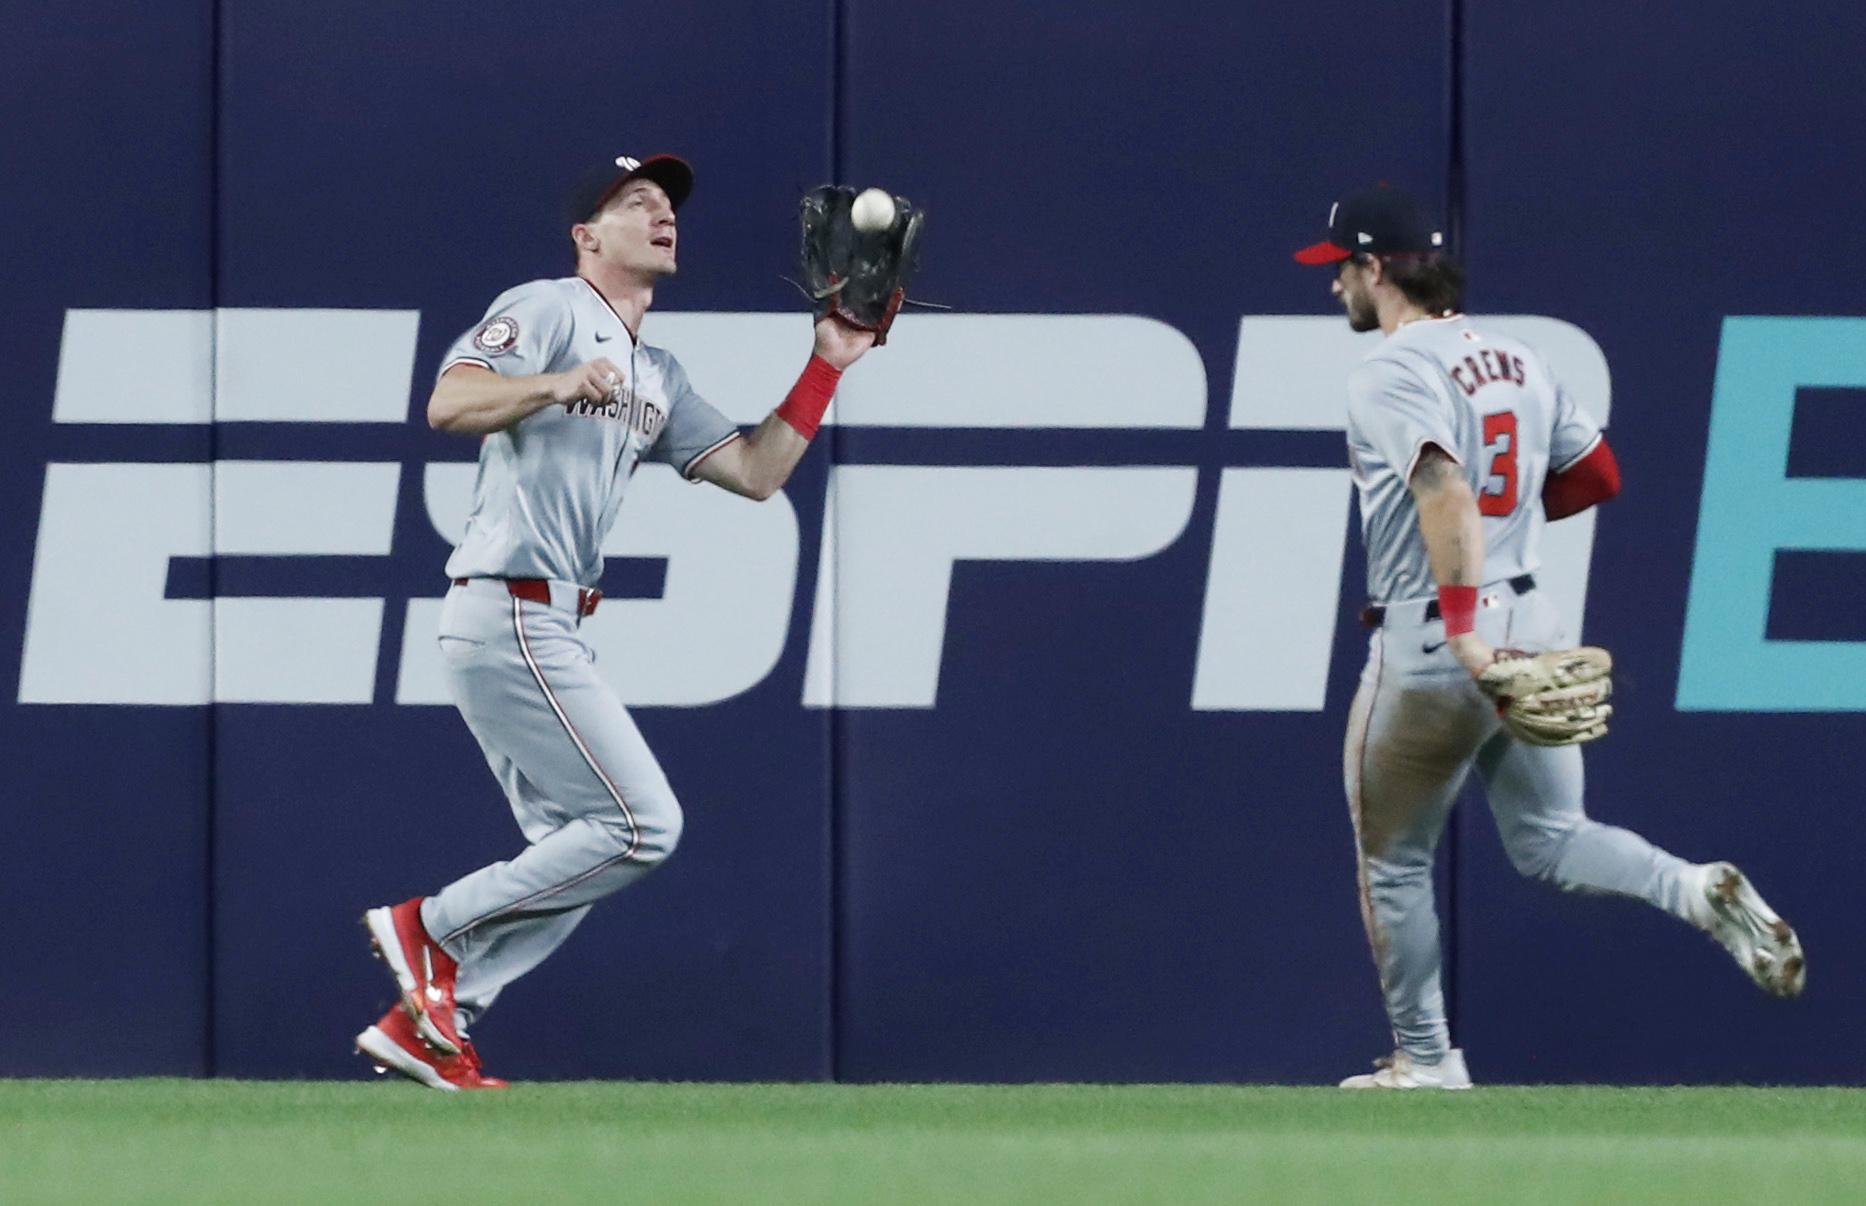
(1417,727)
(586,790)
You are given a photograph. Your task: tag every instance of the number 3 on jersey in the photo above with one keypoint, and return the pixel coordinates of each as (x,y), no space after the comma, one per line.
(1499,493)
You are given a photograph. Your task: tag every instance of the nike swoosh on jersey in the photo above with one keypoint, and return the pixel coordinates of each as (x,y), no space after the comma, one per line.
(602,337)
(1431,648)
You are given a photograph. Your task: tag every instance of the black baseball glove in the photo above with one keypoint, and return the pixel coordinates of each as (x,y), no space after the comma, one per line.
(858,276)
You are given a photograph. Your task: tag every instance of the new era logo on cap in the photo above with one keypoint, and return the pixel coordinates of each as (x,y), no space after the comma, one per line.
(1382,221)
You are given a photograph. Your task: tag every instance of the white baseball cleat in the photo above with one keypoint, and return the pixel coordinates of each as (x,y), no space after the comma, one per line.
(1400,1071)
(1762,944)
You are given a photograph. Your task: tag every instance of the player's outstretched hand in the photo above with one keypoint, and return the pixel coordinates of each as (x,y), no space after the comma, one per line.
(597,381)
(839,343)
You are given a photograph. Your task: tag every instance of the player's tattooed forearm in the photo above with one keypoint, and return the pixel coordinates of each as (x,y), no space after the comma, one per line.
(1447,517)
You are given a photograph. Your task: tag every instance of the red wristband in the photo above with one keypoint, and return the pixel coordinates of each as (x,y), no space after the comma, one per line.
(1458,606)
(803,407)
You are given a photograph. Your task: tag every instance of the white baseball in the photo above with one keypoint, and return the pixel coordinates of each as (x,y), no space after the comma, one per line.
(873,210)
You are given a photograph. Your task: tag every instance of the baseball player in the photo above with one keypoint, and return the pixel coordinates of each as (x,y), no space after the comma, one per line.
(1463,446)
(566,402)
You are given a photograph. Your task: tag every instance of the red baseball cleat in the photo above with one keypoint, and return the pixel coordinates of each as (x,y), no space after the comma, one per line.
(394,1045)
(423,971)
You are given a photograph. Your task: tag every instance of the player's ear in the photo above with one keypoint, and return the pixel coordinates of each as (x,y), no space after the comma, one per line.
(583,237)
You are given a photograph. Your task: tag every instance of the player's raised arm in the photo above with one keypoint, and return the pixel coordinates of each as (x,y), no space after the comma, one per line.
(1454,543)
(470,399)
(758,465)
(858,252)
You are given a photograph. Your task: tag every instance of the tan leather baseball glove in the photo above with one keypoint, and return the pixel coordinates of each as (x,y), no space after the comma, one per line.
(1555,698)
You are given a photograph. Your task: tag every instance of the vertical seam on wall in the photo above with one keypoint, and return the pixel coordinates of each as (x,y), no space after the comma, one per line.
(209,1022)
(1454,220)
(833,724)
(1454,125)
(410,501)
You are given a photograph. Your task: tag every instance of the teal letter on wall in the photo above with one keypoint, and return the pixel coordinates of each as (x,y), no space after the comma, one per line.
(1752,507)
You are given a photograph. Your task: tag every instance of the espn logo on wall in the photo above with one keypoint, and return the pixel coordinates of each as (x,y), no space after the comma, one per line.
(103,629)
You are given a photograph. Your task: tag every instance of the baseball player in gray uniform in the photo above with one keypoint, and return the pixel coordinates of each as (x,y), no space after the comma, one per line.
(1463,446)
(566,402)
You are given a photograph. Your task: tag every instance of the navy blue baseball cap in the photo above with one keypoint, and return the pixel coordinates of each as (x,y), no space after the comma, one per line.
(594,191)
(1381,221)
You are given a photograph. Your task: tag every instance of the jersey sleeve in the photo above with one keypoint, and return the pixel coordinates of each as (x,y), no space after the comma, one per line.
(1574,435)
(522,334)
(694,429)
(1398,414)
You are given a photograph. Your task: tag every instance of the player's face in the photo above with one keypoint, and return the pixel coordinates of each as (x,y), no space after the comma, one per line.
(635,231)
(1354,290)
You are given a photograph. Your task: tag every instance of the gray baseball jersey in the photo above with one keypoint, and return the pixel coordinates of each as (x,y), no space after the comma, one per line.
(549,486)
(1487,400)
(593,803)
(1419,726)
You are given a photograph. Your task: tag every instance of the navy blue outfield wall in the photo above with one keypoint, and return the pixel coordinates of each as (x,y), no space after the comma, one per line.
(1009,736)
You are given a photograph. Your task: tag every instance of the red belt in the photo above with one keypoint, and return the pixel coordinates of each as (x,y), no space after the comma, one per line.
(538,590)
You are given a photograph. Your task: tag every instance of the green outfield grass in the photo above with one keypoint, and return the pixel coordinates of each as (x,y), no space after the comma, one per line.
(206,1141)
